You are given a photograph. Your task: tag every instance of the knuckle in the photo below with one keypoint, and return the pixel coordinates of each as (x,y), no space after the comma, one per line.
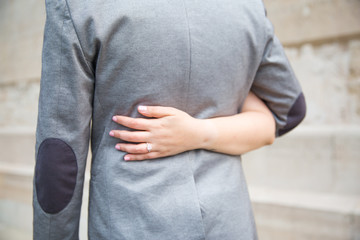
(138,149)
(119,147)
(124,135)
(137,137)
(131,137)
(117,134)
(140,158)
(125,148)
(164,124)
(156,125)
(132,122)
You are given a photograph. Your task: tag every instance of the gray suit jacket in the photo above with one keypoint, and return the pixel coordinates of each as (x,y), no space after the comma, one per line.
(102,58)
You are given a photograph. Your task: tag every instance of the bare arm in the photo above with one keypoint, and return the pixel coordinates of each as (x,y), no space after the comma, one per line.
(173,131)
(253,128)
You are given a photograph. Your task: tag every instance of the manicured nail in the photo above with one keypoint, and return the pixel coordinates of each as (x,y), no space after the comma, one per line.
(117,147)
(111,133)
(114,118)
(126,158)
(142,108)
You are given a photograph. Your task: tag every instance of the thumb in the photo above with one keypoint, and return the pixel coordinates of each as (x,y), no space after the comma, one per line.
(156,111)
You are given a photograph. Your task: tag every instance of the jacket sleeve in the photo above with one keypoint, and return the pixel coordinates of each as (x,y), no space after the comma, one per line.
(276,84)
(63,128)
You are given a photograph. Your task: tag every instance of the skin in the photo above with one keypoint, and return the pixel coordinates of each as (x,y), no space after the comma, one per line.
(172,131)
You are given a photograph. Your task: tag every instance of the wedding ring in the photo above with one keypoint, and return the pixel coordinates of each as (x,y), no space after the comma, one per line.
(148,147)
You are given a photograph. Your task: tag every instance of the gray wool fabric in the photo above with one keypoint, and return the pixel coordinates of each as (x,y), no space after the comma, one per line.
(105,58)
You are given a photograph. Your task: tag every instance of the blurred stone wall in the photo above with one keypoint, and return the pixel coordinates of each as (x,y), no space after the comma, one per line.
(21,28)
(305,186)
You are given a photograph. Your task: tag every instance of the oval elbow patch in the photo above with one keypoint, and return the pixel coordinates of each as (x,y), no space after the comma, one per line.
(55,175)
(296,115)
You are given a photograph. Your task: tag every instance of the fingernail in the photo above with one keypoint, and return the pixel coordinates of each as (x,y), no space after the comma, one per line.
(117,147)
(126,158)
(111,133)
(142,108)
(114,118)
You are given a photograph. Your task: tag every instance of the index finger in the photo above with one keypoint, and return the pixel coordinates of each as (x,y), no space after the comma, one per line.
(133,123)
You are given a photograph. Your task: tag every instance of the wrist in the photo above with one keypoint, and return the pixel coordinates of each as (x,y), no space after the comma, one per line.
(207,133)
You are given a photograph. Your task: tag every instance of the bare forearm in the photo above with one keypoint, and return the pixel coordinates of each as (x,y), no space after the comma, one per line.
(236,134)
(171,131)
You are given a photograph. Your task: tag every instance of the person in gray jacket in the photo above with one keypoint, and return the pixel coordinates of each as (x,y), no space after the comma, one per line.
(175,84)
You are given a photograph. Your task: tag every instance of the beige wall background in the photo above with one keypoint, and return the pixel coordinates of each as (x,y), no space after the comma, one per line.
(305,186)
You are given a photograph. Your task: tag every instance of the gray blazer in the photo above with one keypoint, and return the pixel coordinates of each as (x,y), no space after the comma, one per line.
(102,58)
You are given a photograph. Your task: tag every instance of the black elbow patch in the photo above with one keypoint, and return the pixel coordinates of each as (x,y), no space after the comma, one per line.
(295,116)
(55,175)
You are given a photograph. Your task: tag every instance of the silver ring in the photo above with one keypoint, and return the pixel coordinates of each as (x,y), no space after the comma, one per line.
(148,147)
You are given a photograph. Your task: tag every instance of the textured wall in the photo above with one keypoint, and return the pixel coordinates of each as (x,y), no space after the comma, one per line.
(21,27)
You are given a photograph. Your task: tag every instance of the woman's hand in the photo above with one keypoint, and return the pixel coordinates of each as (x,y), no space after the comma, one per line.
(171,131)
